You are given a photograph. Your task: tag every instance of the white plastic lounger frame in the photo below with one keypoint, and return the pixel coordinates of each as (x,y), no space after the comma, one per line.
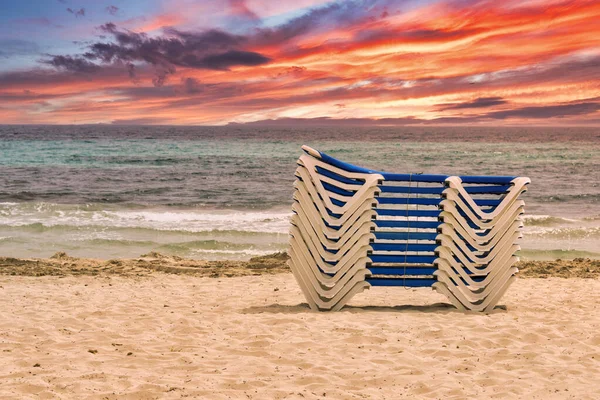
(354,228)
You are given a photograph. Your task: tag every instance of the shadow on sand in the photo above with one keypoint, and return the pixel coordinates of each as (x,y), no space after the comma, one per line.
(443,308)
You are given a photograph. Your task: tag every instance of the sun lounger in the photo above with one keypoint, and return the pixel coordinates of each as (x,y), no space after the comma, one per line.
(354,228)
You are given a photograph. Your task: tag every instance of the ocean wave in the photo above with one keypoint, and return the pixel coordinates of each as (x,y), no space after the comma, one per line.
(39,216)
(553,254)
(117,242)
(565,233)
(201,245)
(100,233)
(546,220)
(568,198)
(237,253)
(184,248)
(112,244)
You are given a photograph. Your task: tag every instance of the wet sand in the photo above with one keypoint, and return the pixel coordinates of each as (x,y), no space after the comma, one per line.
(61,264)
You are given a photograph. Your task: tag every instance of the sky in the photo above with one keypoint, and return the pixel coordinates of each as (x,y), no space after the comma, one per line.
(300,62)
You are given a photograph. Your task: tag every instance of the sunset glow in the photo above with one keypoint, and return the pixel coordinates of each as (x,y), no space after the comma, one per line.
(304,61)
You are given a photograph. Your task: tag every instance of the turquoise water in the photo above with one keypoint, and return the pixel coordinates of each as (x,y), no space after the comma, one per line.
(201,192)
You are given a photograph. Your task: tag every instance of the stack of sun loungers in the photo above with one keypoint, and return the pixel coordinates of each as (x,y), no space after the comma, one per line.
(354,228)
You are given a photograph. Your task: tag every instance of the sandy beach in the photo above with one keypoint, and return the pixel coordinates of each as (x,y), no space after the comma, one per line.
(126,329)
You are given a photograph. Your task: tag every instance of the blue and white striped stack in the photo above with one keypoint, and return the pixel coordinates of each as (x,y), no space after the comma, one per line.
(354,228)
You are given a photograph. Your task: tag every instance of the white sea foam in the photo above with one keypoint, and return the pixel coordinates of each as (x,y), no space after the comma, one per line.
(533,217)
(190,220)
(198,221)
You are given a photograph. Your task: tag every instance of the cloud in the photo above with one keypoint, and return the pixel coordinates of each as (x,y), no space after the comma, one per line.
(553,73)
(335,14)
(224,61)
(328,121)
(72,64)
(112,10)
(367,36)
(187,86)
(151,23)
(132,72)
(294,71)
(212,50)
(77,13)
(41,21)
(191,85)
(25,95)
(140,121)
(61,77)
(480,102)
(523,113)
(240,8)
(354,122)
(548,111)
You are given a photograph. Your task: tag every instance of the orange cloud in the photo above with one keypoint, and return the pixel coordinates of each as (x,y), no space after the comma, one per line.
(157,22)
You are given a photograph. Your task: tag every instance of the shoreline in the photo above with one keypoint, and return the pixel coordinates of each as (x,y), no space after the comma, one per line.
(61,264)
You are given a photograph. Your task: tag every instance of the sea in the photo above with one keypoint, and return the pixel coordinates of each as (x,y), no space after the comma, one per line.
(104,191)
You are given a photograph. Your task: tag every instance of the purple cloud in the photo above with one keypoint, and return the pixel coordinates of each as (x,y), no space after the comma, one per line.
(191,85)
(542,112)
(77,13)
(72,64)
(480,102)
(112,10)
(212,49)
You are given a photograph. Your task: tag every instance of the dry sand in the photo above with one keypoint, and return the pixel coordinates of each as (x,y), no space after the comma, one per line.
(120,329)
